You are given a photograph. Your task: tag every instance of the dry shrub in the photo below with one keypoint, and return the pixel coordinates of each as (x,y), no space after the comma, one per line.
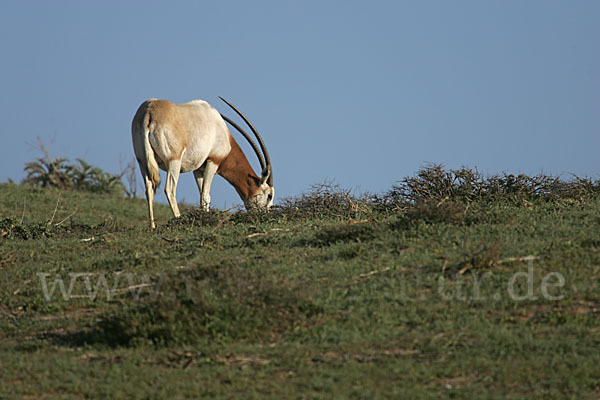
(324,200)
(435,185)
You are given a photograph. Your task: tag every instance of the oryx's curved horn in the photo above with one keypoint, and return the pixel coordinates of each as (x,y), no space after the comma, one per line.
(261,160)
(260,141)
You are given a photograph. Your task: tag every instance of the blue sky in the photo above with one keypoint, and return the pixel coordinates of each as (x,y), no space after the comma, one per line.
(362,93)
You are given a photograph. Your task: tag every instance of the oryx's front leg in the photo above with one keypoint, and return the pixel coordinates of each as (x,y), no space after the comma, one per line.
(173,170)
(204,176)
(199,176)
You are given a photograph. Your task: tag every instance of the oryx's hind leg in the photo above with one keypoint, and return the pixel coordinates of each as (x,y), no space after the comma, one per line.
(150,200)
(204,176)
(173,170)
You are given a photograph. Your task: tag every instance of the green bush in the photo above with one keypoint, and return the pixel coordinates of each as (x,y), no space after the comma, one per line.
(208,303)
(61,174)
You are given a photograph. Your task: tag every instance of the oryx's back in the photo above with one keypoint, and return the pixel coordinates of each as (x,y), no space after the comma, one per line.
(191,132)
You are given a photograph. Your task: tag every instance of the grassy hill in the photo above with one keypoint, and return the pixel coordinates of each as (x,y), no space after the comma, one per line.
(449,285)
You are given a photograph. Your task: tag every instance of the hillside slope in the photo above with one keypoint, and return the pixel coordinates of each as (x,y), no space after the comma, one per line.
(328,296)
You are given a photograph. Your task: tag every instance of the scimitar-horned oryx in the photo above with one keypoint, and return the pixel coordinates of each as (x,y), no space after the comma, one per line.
(194,137)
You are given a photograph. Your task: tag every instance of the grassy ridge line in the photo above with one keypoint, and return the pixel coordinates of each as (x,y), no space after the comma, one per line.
(329,295)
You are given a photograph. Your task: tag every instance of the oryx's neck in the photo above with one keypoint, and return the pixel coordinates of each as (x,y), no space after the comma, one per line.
(236,169)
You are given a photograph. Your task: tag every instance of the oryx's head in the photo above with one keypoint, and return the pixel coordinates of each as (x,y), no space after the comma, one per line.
(260,197)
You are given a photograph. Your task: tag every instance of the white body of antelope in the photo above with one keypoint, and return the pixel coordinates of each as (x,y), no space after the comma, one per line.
(194,137)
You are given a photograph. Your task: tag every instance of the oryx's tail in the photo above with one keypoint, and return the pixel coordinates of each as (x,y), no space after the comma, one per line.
(145,154)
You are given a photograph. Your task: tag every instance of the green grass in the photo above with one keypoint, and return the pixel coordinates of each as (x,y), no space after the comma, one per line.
(327,297)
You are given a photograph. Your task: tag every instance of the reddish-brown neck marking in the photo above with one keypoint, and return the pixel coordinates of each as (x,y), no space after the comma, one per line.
(236,169)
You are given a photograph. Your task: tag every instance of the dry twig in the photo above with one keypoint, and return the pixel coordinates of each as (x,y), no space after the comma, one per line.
(55,208)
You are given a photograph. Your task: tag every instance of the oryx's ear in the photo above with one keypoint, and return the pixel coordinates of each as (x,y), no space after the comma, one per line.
(266,173)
